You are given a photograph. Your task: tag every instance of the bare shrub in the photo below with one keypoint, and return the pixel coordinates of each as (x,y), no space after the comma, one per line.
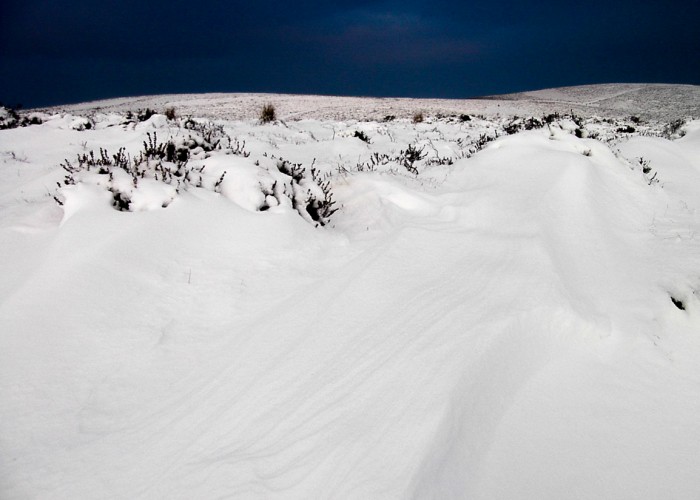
(268,113)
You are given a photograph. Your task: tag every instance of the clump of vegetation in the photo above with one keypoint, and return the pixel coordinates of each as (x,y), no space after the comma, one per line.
(674,129)
(407,158)
(31,120)
(140,115)
(551,118)
(321,208)
(375,160)
(293,170)
(410,156)
(158,161)
(518,124)
(207,135)
(418,117)
(170,113)
(144,114)
(644,164)
(211,136)
(268,113)
(83,123)
(362,136)
(10,118)
(479,144)
(311,196)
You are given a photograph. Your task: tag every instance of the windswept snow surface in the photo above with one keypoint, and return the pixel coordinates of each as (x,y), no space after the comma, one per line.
(497,327)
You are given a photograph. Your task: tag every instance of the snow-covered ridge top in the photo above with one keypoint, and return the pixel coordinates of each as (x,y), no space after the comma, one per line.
(648,101)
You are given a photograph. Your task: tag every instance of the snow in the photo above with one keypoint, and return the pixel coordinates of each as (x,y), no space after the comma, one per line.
(650,101)
(497,326)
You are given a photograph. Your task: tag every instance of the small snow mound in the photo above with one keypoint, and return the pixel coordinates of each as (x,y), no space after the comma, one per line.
(154,122)
(83,197)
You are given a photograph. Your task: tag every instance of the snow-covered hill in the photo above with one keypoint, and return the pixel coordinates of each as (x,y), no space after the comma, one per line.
(467,307)
(653,101)
(648,101)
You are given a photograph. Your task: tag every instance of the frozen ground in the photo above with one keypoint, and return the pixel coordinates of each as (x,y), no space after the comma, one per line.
(482,317)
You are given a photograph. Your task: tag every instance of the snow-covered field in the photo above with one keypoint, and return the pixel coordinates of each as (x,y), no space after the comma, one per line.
(648,101)
(470,307)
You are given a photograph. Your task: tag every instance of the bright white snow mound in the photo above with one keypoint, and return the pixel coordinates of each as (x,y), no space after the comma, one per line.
(508,318)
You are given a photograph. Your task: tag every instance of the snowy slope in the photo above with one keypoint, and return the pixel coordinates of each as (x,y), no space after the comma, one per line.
(499,324)
(660,101)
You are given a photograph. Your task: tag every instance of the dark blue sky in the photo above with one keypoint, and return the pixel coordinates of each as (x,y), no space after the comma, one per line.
(62,51)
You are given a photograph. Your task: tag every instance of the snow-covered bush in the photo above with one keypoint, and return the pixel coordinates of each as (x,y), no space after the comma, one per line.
(674,129)
(82,123)
(158,162)
(210,136)
(10,118)
(162,170)
(518,124)
(410,157)
(310,195)
(140,115)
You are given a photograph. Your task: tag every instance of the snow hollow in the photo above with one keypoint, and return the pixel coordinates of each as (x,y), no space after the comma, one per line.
(494,301)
